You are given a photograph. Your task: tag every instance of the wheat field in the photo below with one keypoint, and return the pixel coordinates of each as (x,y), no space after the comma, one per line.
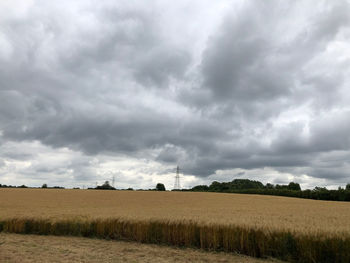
(297,215)
(288,228)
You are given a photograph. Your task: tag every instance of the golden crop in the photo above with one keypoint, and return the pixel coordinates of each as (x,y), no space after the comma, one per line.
(300,215)
(288,228)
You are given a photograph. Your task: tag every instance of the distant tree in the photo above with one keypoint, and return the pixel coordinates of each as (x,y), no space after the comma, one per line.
(347,187)
(282,186)
(269,186)
(200,188)
(22,186)
(216,187)
(294,186)
(245,184)
(105,186)
(160,187)
(44,186)
(320,189)
(235,185)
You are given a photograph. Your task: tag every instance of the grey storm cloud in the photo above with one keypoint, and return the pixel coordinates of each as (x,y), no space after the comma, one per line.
(268,87)
(253,59)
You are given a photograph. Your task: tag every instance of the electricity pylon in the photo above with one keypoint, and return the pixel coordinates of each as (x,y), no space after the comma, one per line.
(177,179)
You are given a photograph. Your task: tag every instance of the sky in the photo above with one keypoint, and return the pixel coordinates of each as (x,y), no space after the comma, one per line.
(91,90)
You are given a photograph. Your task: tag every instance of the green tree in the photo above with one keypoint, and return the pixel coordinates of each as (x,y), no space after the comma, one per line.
(160,187)
(200,188)
(44,186)
(269,186)
(294,186)
(105,186)
(347,187)
(245,184)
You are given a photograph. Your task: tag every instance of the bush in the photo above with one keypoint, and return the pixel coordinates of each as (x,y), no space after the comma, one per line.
(105,186)
(160,187)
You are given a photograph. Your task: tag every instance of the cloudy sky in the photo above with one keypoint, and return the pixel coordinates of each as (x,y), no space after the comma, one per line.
(91,90)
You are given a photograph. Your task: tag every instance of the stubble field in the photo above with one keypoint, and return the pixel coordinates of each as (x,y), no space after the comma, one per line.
(288,228)
(34,248)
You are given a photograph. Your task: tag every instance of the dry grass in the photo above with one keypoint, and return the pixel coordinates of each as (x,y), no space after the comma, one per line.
(275,213)
(288,228)
(32,248)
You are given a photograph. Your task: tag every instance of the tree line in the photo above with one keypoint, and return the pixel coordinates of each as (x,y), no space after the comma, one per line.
(105,186)
(246,186)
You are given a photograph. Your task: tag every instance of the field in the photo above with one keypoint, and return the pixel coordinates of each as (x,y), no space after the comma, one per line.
(288,228)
